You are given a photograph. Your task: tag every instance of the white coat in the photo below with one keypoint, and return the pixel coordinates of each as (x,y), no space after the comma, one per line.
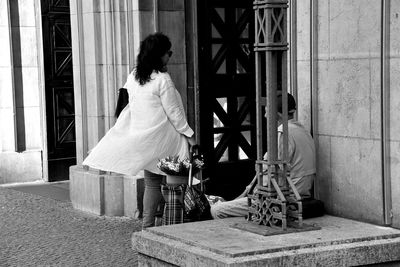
(152,126)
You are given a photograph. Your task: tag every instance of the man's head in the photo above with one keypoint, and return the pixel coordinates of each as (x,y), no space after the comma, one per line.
(291,105)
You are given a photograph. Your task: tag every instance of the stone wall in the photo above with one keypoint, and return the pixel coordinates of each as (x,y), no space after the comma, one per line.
(395,109)
(349,119)
(21,90)
(348,111)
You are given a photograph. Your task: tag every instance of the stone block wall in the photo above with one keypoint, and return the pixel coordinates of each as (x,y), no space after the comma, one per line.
(303,63)
(105,193)
(348,129)
(21,89)
(349,119)
(171,18)
(395,109)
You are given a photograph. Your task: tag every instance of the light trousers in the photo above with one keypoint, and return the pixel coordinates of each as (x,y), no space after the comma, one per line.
(239,207)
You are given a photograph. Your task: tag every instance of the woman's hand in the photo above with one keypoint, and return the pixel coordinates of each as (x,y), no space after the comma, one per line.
(192,141)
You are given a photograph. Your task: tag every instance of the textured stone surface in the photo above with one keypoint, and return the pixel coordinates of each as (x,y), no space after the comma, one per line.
(37,231)
(176,70)
(394,28)
(5,60)
(104,193)
(56,190)
(6,99)
(7,142)
(95,131)
(3,13)
(354,28)
(33,138)
(303,92)
(86,190)
(172,24)
(356,179)
(22,12)
(303,30)
(114,195)
(395,181)
(346,97)
(25,50)
(340,242)
(394,102)
(323,33)
(20,167)
(28,79)
(130,200)
(324,177)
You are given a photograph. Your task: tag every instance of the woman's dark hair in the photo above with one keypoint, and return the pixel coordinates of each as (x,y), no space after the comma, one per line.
(152,48)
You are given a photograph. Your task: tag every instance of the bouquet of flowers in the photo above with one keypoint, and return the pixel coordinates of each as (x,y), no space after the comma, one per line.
(176,166)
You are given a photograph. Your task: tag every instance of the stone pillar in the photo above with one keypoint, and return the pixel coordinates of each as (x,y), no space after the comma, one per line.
(171,19)
(21,91)
(100,46)
(106,37)
(103,43)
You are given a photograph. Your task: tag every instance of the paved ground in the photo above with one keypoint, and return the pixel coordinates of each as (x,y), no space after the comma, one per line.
(40,231)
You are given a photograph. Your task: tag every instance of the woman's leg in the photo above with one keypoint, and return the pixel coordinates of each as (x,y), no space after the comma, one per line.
(152,197)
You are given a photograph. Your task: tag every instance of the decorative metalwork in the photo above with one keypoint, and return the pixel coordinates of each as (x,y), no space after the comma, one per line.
(230,59)
(59,90)
(275,201)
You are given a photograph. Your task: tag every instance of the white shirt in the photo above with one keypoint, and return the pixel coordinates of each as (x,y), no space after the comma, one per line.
(301,151)
(152,126)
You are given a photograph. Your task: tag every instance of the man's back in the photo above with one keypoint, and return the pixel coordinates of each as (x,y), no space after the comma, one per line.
(301,155)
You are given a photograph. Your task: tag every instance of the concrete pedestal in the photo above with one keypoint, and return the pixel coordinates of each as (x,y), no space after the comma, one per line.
(104,193)
(339,242)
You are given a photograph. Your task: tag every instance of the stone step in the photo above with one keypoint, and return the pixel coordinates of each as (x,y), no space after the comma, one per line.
(338,242)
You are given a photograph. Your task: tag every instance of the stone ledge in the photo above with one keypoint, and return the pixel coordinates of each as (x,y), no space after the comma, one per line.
(104,193)
(340,242)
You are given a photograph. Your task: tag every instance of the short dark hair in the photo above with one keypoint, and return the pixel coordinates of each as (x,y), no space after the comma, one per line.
(152,48)
(291,103)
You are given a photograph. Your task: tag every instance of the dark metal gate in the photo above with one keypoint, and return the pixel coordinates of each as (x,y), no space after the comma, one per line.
(227,93)
(60,114)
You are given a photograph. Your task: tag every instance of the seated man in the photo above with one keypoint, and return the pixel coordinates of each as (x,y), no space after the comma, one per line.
(301,157)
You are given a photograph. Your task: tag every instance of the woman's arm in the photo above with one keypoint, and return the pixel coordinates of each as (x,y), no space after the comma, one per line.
(172,104)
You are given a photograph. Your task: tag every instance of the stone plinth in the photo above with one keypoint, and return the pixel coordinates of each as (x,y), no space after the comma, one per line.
(339,242)
(104,193)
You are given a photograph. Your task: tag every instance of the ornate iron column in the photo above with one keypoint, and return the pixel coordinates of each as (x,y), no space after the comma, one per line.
(275,201)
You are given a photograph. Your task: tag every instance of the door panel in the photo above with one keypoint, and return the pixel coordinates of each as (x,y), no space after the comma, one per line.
(60,112)
(227,94)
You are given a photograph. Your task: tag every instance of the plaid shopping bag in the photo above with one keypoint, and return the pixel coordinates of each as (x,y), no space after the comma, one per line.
(174,208)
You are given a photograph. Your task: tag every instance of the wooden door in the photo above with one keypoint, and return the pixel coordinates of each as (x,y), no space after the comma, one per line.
(60,114)
(227,94)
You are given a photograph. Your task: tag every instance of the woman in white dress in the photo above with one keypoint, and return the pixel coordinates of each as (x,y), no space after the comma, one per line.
(152,126)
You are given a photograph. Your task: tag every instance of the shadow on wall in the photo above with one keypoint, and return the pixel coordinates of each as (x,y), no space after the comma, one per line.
(17,75)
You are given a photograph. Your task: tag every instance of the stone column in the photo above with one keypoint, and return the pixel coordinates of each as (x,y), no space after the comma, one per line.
(106,37)
(171,19)
(21,89)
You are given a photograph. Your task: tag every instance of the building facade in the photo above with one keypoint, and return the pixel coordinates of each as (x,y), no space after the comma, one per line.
(62,63)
